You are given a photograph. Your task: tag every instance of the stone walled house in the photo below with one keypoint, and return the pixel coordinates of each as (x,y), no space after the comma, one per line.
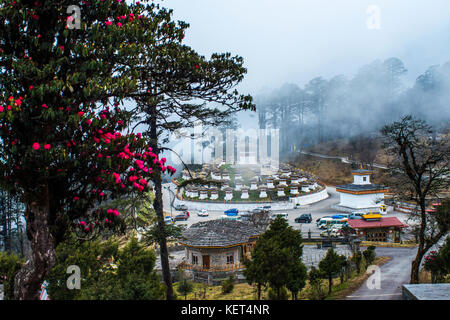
(215,249)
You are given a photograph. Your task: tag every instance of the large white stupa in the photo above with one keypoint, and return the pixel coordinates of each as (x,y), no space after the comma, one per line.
(361,194)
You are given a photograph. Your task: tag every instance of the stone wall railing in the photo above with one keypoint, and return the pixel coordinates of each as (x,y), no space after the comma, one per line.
(214,268)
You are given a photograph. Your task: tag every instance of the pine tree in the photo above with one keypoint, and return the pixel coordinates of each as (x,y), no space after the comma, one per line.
(330,266)
(177,87)
(276,259)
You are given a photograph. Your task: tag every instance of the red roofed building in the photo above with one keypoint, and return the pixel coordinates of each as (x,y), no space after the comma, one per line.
(383,230)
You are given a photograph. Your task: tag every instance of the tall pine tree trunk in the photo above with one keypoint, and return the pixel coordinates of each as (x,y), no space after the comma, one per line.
(158,207)
(29,279)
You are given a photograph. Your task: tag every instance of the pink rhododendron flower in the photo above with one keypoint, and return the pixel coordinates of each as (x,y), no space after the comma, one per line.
(36,146)
(47,146)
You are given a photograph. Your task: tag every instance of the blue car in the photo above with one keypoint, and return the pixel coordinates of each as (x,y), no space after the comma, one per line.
(232,212)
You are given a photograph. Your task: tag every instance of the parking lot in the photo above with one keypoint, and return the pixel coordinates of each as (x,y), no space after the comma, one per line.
(317,210)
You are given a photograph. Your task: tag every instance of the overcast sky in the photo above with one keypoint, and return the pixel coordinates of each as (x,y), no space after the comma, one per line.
(297,40)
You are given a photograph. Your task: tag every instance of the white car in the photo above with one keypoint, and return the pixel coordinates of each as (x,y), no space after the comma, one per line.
(203,213)
(169,220)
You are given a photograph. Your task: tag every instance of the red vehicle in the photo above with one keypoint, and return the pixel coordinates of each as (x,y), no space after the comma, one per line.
(182,216)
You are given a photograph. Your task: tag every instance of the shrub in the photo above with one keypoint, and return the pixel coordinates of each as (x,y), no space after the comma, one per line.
(228,285)
(10,264)
(369,256)
(185,288)
(435,264)
(273,295)
(315,277)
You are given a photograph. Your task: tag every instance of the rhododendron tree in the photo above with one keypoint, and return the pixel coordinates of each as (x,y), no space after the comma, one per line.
(63,145)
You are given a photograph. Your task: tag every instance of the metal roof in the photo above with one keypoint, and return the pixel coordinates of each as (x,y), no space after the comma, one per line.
(219,233)
(361,187)
(383,222)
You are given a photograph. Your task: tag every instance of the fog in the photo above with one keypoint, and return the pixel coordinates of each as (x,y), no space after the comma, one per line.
(289,41)
(294,41)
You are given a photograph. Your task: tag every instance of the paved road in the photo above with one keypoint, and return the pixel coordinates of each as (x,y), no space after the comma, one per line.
(317,210)
(393,275)
(343,159)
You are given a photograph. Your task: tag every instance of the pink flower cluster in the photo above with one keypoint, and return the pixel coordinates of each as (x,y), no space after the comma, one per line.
(115,212)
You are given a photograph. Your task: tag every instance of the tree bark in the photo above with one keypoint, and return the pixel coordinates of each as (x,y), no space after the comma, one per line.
(330,284)
(29,279)
(415,265)
(158,207)
(164,253)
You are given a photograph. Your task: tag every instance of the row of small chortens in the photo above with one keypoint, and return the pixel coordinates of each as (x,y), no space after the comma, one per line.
(296,180)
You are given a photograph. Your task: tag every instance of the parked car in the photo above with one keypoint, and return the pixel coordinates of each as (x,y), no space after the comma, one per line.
(318,219)
(325,222)
(281,214)
(231,212)
(203,213)
(304,218)
(182,216)
(334,233)
(168,220)
(356,215)
(246,216)
(181,207)
(236,217)
(340,216)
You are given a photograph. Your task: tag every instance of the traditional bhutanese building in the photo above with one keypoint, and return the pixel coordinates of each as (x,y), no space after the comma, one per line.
(375,228)
(217,246)
(361,194)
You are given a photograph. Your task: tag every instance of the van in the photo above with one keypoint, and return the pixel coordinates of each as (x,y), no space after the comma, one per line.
(322,224)
(323,221)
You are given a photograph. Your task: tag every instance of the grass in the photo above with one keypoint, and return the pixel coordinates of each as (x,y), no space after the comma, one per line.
(241,291)
(244,291)
(389,244)
(425,277)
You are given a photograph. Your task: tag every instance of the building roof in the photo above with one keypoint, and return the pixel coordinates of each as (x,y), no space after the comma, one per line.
(219,233)
(361,187)
(384,222)
(362,172)
(427,291)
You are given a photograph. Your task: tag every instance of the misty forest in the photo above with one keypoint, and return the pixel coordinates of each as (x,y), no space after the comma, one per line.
(344,107)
